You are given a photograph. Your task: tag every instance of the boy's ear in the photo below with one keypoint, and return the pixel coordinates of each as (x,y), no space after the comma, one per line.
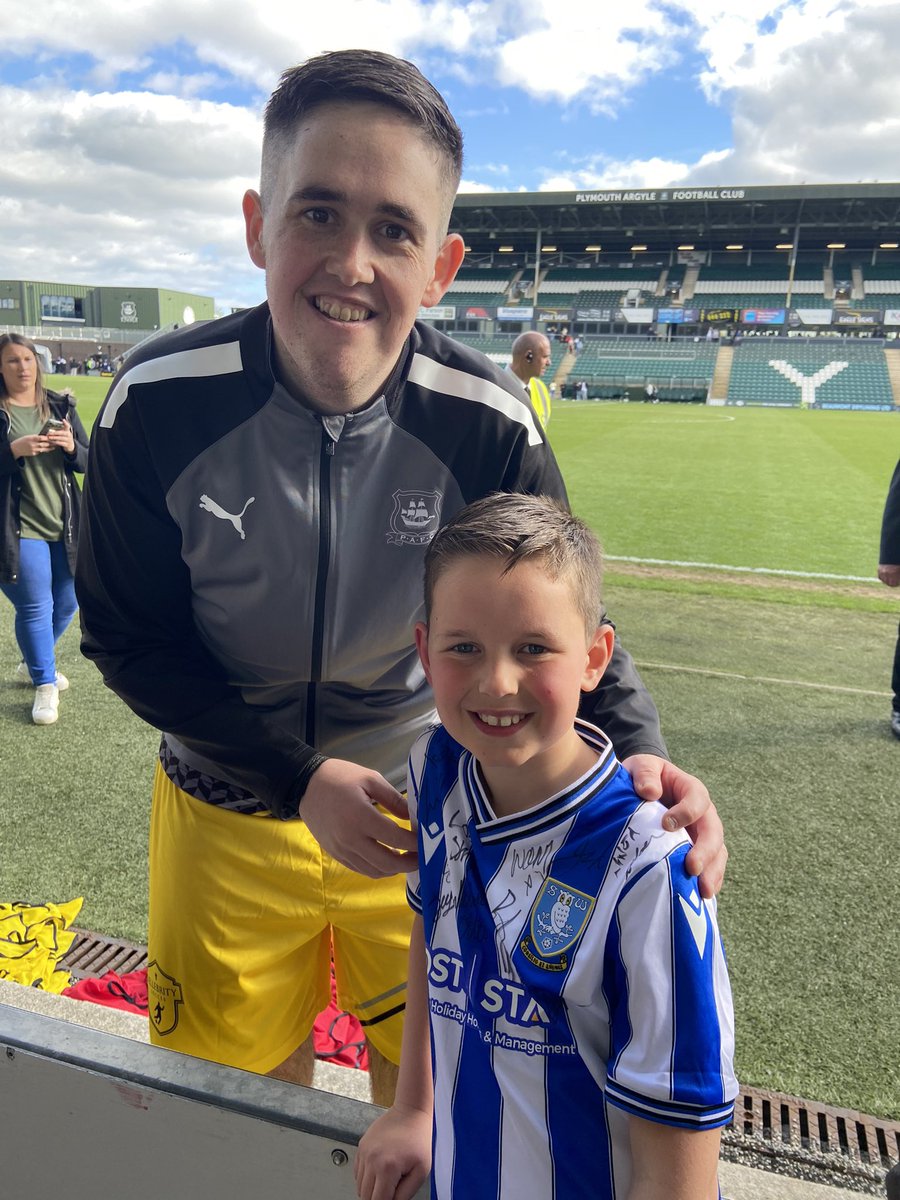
(422,647)
(598,655)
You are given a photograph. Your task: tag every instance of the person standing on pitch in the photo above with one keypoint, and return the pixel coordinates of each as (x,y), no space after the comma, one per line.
(43,445)
(569,1026)
(261,494)
(530,359)
(889,574)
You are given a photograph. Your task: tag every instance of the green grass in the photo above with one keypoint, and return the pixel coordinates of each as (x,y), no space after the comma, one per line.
(806,781)
(776,697)
(750,487)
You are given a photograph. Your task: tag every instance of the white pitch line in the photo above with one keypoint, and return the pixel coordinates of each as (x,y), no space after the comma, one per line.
(667,562)
(802,683)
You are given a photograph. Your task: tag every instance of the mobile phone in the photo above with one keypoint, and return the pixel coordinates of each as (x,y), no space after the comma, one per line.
(52,424)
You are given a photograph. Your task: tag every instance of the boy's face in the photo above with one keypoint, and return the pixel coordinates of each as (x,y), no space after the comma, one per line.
(352,242)
(508,658)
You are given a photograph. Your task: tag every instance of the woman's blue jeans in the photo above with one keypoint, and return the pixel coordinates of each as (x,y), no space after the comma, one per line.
(44,600)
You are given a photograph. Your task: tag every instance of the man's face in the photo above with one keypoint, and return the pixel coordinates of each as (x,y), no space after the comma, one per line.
(352,242)
(526,368)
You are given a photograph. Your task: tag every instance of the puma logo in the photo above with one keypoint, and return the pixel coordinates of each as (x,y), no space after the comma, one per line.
(217,511)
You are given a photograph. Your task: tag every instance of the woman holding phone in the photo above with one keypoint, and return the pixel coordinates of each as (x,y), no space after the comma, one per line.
(42,446)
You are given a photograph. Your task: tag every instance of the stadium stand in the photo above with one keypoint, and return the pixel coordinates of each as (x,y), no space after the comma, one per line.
(823,373)
(698,291)
(621,366)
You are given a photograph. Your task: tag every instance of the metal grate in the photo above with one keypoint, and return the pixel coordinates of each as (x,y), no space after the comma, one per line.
(814,1141)
(93,954)
(780,1133)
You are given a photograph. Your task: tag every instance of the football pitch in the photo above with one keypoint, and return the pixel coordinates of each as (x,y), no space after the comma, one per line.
(742,546)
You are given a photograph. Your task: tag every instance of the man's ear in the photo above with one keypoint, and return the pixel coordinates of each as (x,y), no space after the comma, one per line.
(599,653)
(253,225)
(422,647)
(447,263)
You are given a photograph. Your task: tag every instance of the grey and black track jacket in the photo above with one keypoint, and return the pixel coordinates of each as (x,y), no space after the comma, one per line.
(250,571)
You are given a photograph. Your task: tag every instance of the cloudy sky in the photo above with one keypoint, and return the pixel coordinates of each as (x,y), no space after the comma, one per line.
(131,128)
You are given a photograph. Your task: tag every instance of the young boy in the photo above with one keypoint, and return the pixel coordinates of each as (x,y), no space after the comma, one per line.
(579,1005)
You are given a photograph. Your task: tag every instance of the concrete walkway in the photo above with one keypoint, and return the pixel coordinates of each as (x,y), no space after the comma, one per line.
(737,1182)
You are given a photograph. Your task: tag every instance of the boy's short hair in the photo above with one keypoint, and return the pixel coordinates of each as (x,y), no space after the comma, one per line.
(365,76)
(518,528)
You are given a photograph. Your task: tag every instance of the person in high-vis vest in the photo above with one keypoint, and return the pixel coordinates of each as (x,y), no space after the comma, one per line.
(530,359)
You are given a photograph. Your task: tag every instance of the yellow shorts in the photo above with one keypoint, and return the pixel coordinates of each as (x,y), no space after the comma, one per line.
(244,911)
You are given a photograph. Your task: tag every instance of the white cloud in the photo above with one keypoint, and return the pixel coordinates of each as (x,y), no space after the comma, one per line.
(816,101)
(251,41)
(146,190)
(143,186)
(592,53)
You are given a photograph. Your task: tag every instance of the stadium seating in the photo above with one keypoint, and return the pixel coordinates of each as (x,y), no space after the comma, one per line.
(862,380)
(478,299)
(614,365)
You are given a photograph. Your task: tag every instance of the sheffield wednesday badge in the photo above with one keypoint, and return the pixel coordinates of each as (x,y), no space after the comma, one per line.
(558,917)
(416,518)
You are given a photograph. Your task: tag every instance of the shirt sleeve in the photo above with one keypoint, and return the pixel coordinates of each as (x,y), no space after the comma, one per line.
(671,1020)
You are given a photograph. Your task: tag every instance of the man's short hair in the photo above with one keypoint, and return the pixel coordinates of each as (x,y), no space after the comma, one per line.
(517,528)
(362,76)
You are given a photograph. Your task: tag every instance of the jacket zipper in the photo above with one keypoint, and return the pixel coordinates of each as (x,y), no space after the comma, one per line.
(326,455)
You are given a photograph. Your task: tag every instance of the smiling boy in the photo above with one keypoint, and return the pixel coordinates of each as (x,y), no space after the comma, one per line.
(574,979)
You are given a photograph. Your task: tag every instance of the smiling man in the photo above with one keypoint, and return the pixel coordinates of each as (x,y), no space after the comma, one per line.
(262,492)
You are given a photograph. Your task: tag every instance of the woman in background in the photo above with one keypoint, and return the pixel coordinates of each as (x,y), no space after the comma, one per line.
(42,445)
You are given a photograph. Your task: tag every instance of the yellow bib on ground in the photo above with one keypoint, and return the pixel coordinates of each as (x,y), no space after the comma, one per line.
(33,938)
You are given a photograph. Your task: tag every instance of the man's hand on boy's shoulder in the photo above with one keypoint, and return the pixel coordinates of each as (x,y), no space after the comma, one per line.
(690,808)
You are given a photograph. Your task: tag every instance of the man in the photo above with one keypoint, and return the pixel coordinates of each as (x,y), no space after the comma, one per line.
(258,507)
(530,359)
(889,574)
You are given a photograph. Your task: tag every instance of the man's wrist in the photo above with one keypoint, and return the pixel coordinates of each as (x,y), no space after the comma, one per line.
(292,809)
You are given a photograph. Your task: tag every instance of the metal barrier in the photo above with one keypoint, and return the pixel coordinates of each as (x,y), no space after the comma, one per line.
(84,1112)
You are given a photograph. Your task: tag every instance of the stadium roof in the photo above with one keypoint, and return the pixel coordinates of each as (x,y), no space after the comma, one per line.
(863,218)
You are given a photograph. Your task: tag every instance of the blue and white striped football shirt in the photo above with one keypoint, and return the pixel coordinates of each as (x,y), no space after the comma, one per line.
(575,976)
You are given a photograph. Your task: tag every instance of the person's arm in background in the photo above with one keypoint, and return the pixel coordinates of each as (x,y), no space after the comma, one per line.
(76,459)
(73,440)
(889,555)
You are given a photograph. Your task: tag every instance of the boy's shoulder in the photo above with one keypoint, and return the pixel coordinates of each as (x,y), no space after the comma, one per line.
(434,749)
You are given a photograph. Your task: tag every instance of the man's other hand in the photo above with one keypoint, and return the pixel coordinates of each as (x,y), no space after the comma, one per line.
(338,807)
